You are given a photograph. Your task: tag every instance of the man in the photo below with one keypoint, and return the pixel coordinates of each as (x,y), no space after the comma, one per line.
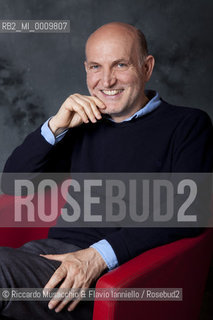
(120,127)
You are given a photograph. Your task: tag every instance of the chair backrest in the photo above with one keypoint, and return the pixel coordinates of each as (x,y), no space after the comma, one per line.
(14,236)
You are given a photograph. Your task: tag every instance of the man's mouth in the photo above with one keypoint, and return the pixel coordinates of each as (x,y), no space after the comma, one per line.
(113,92)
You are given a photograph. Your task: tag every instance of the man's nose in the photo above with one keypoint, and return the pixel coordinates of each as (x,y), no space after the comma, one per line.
(108,78)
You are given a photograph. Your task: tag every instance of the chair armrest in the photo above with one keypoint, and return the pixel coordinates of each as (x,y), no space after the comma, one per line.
(181,264)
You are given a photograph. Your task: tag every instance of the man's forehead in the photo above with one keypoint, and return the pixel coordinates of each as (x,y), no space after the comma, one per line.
(114,46)
(113,28)
(111,31)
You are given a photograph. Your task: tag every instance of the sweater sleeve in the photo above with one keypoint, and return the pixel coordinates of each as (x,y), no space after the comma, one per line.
(35,154)
(127,243)
(34,157)
(193,144)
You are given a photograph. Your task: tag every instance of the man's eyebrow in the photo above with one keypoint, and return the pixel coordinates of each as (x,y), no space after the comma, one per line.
(121,60)
(91,62)
(114,62)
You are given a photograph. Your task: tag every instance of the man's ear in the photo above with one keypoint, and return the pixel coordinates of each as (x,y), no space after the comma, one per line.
(148,66)
(85,65)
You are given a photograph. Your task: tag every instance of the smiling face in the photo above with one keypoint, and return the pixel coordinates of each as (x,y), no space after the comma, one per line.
(115,72)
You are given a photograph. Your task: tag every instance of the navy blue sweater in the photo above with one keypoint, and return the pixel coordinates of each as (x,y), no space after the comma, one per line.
(169,139)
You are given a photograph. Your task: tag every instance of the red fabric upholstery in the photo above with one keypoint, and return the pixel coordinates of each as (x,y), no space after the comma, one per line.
(181,264)
(17,236)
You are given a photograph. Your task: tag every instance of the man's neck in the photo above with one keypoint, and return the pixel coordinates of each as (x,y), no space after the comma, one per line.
(121,118)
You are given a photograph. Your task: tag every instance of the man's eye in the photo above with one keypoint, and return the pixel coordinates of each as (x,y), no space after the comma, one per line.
(94,67)
(122,65)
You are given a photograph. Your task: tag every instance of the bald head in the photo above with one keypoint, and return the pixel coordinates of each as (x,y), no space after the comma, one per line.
(119,30)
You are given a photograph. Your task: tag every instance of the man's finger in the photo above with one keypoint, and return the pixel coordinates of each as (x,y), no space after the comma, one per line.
(58,257)
(87,107)
(94,107)
(76,107)
(98,102)
(74,304)
(63,295)
(57,276)
(78,298)
(62,303)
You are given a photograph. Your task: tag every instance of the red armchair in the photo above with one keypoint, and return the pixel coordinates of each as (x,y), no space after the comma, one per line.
(181,264)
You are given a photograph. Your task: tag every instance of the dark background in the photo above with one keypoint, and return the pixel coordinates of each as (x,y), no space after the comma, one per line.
(38,71)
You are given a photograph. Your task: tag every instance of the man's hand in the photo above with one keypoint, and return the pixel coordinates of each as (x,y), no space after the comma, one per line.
(75,110)
(78,270)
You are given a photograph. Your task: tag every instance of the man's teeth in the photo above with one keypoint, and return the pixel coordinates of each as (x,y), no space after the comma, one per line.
(111,92)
